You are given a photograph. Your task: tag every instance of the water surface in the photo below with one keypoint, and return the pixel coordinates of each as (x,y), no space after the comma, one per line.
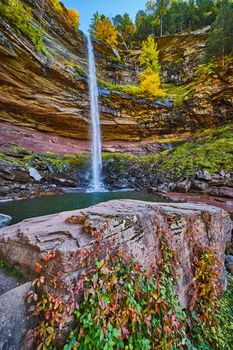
(23,209)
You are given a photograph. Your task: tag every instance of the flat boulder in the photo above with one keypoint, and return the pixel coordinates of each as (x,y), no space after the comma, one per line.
(128,225)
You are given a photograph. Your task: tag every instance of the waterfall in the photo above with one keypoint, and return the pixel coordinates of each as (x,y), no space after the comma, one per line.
(95,121)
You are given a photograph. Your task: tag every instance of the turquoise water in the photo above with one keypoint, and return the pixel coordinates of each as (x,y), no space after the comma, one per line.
(23,209)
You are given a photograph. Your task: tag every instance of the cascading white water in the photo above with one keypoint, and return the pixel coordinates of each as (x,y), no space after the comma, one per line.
(95,121)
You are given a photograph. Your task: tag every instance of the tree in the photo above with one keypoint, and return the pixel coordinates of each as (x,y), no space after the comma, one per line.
(149,55)
(73,17)
(149,78)
(160,7)
(95,19)
(150,84)
(125,26)
(106,32)
(220,38)
(145,25)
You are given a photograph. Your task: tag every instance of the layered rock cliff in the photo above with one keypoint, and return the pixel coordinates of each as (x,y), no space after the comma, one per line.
(49,93)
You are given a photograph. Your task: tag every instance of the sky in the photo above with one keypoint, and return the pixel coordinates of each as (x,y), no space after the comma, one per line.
(109,8)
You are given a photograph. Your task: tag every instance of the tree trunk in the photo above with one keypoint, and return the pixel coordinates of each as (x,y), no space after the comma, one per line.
(161,26)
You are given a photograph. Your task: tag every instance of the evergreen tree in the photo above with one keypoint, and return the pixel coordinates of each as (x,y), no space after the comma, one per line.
(220,38)
(125,26)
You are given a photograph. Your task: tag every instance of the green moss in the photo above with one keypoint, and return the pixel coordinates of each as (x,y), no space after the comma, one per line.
(211,150)
(17,155)
(80,72)
(20,18)
(119,156)
(121,161)
(179,93)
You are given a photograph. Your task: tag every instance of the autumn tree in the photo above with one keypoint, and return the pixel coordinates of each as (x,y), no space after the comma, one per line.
(73,17)
(150,78)
(149,55)
(103,30)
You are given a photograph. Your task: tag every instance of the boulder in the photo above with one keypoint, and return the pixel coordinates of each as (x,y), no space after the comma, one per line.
(7,282)
(222,173)
(203,175)
(199,185)
(163,187)
(183,186)
(34,174)
(127,225)
(13,319)
(13,173)
(5,220)
(221,191)
(63,182)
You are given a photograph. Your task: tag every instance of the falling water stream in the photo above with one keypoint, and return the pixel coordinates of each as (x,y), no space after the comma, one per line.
(96,184)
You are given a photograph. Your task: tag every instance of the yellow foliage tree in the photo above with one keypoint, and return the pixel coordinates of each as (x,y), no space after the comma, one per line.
(150,54)
(106,32)
(150,78)
(150,84)
(73,17)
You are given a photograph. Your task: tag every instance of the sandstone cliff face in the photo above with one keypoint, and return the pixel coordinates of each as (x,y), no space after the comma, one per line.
(50,93)
(36,90)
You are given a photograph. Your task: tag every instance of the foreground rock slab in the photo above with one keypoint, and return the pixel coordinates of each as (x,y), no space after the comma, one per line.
(128,225)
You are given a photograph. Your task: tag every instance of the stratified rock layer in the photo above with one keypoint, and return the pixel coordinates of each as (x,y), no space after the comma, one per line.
(50,93)
(127,225)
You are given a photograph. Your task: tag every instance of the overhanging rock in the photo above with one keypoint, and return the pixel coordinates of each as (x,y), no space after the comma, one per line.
(128,225)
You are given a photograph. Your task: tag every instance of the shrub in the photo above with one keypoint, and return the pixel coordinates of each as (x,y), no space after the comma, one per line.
(127,307)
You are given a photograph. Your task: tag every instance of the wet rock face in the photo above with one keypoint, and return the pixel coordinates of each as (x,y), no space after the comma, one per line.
(130,226)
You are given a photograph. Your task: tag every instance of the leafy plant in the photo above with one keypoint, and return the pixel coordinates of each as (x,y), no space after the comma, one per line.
(150,84)
(127,307)
(116,304)
(208,327)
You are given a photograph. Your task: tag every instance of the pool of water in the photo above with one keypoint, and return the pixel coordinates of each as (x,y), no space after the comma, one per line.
(23,209)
